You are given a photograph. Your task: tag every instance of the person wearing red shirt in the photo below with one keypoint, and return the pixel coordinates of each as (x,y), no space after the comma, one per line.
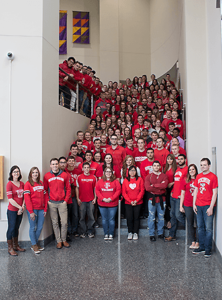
(108,190)
(108,162)
(186,205)
(167,120)
(146,166)
(57,186)
(161,153)
(178,123)
(156,184)
(104,144)
(204,201)
(136,137)
(98,112)
(169,170)
(80,153)
(150,103)
(175,213)
(74,152)
(64,87)
(168,79)
(133,191)
(139,125)
(74,172)
(101,102)
(97,148)
(36,201)
(129,146)
(86,198)
(176,152)
(85,144)
(118,153)
(96,89)
(88,138)
(93,165)
(140,153)
(14,191)
(153,144)
(175,142)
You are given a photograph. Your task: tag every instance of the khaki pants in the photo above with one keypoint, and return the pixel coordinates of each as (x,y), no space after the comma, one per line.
(54,209)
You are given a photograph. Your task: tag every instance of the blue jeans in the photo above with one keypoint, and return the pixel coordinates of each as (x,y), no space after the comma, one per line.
(175,216)
(14,222)
(108,219)
(205,227)
(36,225)
(86,103)
(152,216)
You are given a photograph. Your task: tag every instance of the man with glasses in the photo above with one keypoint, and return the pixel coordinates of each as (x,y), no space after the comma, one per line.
(118,153)
(64,82)
(175,213)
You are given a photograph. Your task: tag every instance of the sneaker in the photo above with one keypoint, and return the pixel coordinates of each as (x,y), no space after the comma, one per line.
(207,254)
(41,248)
(76,234)
(130,236)
(152,238)
(83,235)
(135,237)
(91,235)
(35,249)
(106,237)
(110,237)
(198,251)
(96,225)
(161,236)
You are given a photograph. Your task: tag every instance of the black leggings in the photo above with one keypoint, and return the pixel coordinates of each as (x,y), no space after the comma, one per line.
(133,217)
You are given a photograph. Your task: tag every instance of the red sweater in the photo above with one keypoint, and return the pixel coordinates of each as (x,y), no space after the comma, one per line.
(156,184)
(57,187)
(35,197)
(139,157)
(116,171)
(130,151)
(133,190)
(107,189)
(146,168)
(62,75)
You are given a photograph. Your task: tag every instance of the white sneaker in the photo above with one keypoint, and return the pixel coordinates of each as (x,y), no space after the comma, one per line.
(135,236)
(130,236)
(106,237)
(110,237)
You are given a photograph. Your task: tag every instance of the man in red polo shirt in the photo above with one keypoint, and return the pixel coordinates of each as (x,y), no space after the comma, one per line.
(118,153)
(86,198)
(140,152)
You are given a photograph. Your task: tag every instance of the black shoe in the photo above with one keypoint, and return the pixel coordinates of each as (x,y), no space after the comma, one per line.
(198,251)
(96,225)
(161,236)
(152,238)
(207,254)
(68,238)
(76,234)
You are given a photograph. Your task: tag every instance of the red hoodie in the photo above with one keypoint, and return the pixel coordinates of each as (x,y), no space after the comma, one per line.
(156,184)
(35,197)
(62,75)
(107,189)
(57,187)
(133,190)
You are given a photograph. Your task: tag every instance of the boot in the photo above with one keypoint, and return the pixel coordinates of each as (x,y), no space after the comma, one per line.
(16,245)
(10,248)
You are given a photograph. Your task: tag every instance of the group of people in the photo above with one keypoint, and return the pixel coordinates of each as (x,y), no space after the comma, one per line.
(133,151)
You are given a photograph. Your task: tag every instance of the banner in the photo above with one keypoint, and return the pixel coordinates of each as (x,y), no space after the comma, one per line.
(63,32)
(80,27)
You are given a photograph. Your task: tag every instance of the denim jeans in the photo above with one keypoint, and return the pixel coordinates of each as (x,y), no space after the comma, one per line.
(14,222)
(86,208)
(36,225)
(175,216)
(191,217)
(152,216)
(108,219)
(82,96)
(205,227)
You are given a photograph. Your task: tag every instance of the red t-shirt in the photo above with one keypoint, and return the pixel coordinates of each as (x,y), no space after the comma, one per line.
(78,161)
(170,175)
(116,171)
(178,176)
(73,173)
(93,168)
(139,157)
(205,184)
(161,156)
(130,151)
(15,193)
(152,145)
(146,168)
(189,188)
(86,185)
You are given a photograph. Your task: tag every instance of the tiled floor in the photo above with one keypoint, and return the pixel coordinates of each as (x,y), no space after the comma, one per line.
(94,269)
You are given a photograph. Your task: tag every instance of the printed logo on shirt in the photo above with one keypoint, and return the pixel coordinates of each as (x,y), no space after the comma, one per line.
(202,188)
(205,180)
(20,193)
(132,186)
(150,168)
(140,158)
(56,178)
(87,180)
(38,188)
(192,188)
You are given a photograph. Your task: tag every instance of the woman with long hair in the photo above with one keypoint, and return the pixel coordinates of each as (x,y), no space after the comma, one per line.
(15,191)
(158,126)
(36,200)
(117,105)
(97,157)
(186,204)
(169,170)
(104,128)
(108,162)
(129,121)
(133,191)
(91,129)
(108,190)
(108,122)
(127,163)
